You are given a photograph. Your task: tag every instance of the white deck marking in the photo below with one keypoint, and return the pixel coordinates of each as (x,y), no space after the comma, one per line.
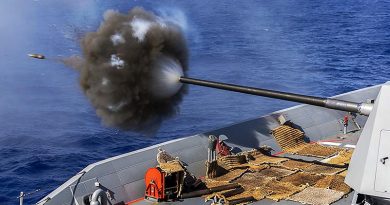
(330,143)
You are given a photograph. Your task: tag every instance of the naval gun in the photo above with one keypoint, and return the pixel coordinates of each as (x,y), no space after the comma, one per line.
(369,168)
(361,108)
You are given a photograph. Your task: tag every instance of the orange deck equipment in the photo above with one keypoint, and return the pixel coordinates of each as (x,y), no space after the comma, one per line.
(163,184)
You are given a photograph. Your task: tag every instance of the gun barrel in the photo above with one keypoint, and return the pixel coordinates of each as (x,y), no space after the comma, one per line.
(361,108)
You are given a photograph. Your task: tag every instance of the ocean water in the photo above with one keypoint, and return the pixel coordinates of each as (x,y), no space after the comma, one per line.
(49,132)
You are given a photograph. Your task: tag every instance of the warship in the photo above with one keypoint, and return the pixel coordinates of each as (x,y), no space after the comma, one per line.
(325,151)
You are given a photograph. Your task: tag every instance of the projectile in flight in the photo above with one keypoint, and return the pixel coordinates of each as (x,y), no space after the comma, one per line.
(38,56)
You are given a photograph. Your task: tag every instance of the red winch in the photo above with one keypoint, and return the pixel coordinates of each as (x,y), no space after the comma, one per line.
(155,181)
(164,183)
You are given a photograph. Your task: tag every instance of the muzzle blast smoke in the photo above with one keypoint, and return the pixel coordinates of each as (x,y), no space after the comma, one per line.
(130,69)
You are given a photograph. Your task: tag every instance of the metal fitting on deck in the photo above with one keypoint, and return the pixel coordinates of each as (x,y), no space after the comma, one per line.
(99,194)
(345,123)
(212,155)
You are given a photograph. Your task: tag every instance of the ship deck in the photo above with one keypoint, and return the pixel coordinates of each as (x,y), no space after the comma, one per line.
(123,176)
(348,141)
(200,200)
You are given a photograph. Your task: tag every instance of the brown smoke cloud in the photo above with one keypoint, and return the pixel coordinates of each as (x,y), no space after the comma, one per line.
(130,68)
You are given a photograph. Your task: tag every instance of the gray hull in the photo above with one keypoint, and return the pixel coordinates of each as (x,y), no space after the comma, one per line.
(123,175)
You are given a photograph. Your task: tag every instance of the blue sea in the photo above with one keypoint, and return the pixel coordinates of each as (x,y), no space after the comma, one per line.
(49,131)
